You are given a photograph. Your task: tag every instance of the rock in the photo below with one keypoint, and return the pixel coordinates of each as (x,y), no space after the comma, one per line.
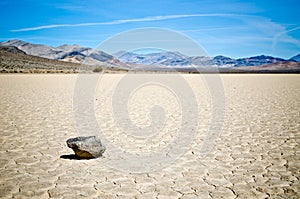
(86,147)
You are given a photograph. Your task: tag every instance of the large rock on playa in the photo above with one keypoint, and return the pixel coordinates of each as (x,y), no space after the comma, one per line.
(86,147)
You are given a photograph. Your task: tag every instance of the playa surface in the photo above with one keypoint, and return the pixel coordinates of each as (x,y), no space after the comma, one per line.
(257,154)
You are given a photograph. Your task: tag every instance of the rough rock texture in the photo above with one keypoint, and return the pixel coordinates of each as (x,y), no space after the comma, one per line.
(86,147)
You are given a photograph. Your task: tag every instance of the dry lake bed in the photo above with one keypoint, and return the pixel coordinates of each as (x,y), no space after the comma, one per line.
(254,154)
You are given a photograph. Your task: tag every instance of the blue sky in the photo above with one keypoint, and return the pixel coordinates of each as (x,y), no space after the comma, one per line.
(232,28)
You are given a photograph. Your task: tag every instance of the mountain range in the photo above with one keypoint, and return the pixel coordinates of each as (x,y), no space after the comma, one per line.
(68,53)
(152,61)
(177,59)
(14,60)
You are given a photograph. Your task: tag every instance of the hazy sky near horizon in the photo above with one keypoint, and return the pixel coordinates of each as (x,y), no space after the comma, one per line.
(232,28)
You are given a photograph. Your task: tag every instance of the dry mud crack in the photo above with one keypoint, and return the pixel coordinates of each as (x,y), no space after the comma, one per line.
(256,156)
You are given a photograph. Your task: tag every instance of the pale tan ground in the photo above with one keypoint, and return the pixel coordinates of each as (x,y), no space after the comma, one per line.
(257,154)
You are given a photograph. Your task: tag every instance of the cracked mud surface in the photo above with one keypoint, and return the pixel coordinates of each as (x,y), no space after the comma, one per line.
(256,156)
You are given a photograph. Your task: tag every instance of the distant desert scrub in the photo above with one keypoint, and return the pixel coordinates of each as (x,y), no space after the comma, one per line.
(97,70)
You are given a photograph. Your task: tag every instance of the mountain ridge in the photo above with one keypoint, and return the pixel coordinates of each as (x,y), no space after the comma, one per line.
(70,53)
(295,58)
(14,60)
(166,59)
(183,60)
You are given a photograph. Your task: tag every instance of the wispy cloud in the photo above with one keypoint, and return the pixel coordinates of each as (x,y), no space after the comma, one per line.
(265,25)
(287,39)
(215,28)
(123,21)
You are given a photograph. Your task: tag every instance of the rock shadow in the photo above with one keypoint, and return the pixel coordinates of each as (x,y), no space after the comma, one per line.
(73,157)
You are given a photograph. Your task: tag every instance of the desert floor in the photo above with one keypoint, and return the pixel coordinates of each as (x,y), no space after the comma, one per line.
(256,155)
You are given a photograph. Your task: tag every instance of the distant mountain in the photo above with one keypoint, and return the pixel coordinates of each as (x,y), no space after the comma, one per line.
(152,61)
(70,53)
(14,60)
(163,58)
(296,58)
(179,60)
(222,61)
(258,61)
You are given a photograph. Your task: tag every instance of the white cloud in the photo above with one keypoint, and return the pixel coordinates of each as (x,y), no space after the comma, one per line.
(265,26)
(122,21)
(284,37)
